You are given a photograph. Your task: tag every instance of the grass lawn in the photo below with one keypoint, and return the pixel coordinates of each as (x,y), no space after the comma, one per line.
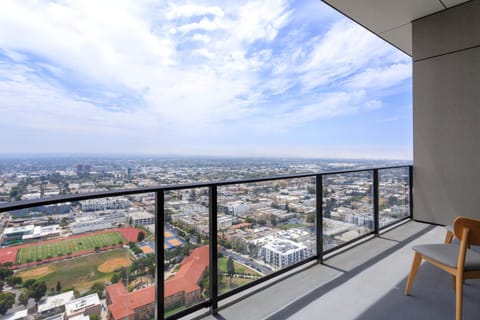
(222,267)
(80,273)
(224,281)
(63,248)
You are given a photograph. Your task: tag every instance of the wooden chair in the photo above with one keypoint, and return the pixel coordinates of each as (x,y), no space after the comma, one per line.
(461,262)
(449,234)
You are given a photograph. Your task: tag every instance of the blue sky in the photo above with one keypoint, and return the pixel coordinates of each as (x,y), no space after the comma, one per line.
(224,78)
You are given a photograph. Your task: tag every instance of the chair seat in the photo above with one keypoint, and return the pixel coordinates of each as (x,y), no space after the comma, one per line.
(447,254)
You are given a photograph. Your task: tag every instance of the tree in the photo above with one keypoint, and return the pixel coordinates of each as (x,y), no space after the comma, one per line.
(311,218)
(38,290)
(141,236)
(115,278)
(98,287)
(124,275)
(28,283)
(230,269)
(58,288)
(273,220)
(63,222)
(5,273)
(13,281)
(168,215)
(23,297)
(205,285)
(6,301)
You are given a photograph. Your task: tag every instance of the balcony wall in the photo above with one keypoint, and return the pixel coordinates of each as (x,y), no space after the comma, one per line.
(446,114)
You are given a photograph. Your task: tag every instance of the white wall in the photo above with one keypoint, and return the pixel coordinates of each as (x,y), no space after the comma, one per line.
(446,114)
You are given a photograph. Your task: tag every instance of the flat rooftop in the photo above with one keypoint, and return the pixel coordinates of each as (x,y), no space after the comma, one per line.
(52,302)
(365,282)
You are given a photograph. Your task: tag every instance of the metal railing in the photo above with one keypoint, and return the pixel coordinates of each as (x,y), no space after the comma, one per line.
(214,295)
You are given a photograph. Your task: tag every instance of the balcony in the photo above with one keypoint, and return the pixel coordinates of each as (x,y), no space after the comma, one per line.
(274,231)
(364,282)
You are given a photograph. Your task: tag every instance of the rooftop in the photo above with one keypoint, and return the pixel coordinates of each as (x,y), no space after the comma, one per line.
(124,303)
(190,272)
(82,303)
(55,301)
(284,246)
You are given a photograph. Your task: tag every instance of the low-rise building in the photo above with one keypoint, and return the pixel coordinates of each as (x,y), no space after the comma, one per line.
(18,315)
(52,305)
(29,233)
(86,306)
(184,289)
(281,252)
(135,305)
(105,204)
(141,218)
(107,221)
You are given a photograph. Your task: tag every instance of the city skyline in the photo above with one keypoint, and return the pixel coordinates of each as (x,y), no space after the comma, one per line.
(256,79)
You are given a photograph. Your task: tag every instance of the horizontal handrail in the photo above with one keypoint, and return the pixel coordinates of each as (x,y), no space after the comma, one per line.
(215,295)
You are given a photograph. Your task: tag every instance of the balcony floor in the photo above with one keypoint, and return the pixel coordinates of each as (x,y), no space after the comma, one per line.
(365,282)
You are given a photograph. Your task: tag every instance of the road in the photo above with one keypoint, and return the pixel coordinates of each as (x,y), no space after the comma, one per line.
(261,268)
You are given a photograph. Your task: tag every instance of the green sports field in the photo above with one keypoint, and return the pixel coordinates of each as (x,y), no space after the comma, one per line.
(66,247)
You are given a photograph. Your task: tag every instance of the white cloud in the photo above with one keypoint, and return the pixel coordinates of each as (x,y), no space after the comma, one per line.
(205,24)
(201,37)
(324,106)
(344,50)
(144,69)
(262,19)
(190,10)
(381,77)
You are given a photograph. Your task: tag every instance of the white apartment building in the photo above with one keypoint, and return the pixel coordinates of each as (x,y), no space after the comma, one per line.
(237,208)
(105,204)
(141,218)
(88,224)
(282,253)
(224,221)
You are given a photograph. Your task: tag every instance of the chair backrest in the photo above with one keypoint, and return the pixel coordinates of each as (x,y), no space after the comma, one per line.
(473,226)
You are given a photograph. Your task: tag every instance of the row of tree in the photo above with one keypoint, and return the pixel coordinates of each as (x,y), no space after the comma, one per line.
(30,289)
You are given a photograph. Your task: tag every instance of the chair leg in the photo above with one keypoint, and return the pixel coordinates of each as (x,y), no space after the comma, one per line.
(448,237)
(417,259)
(459,297)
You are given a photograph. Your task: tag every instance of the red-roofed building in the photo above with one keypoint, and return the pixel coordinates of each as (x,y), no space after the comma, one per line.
(139,304)
(184,289)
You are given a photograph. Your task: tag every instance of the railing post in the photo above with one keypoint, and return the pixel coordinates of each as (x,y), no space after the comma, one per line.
(212,234)
(376,222)
(319,220)
(410,190)
(160,254)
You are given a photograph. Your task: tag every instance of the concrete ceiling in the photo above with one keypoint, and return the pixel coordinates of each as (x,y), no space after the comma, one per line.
(391,19)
